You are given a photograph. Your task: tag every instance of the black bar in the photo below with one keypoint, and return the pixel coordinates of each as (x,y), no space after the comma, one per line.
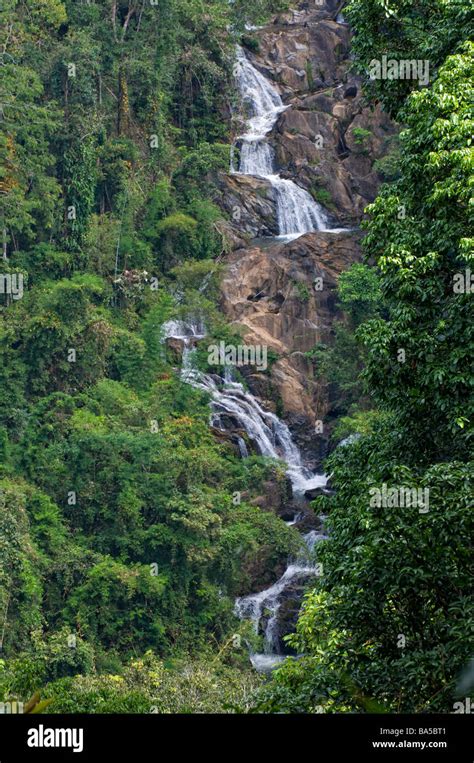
(138,737)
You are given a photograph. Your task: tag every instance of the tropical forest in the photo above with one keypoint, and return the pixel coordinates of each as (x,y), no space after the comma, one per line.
(236,342)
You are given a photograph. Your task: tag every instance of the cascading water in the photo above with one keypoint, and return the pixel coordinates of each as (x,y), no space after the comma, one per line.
(273,439)
(271,435)
(297,212)
(263,607)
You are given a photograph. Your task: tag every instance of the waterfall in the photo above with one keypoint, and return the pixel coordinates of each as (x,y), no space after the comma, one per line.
(297,212)
(271,435)
(259,96)
(264,606)
(273,439)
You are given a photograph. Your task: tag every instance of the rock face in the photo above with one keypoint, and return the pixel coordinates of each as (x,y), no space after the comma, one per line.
(326,141)
(326,137)
(305,47)
(283,297)
(281,292)
(250,204)
(287,615)
(333,152)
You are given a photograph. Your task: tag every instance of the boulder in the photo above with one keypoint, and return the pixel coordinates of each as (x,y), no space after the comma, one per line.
(250,205)
(310,495)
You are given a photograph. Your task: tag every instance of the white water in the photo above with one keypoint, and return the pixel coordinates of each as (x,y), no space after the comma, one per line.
(297,212)
(273,439)
(264,606)
(271,435)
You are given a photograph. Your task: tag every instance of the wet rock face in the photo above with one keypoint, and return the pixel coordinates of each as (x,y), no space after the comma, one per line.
(250,204)
(326,141)
(259,572)
(327,138)
(287,615)
(282,293)
(272,294)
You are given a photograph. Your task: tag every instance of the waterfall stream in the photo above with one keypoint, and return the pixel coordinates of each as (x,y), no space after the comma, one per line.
(297,212)
(273,439)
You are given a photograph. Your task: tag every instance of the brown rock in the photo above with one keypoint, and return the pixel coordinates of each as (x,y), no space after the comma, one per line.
(289,316)
(250,204)
(307,53)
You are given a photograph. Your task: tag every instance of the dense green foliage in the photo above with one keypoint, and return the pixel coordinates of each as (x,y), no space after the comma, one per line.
(342,362)
(122,527)
(389,626)
(405,30)
(126,528)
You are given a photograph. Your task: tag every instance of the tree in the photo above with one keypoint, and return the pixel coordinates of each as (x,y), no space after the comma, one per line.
(425,30)
(387,627)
